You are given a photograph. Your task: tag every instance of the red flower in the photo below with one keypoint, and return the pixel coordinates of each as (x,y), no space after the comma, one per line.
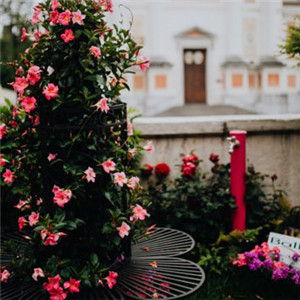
(162,169)
(190,158)
(147,169)
(214,158)
(188,169)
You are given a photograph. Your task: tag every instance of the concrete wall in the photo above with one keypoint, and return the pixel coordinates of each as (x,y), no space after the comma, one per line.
(273,143)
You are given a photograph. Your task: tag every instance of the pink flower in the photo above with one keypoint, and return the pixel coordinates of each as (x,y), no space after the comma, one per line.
(120,178)
(143,63)
(4,276)
(28,104)
(58,294)
(123,230)
(95,51)
(129,128)
(33,218)
(21,222)
(20,204)
(67,36)
(35,19)
(33,75)
(50,91)
(111,279)
(39,201)
(37,272)
(132,182)
(78,17)
(20,84)
(24,35)
(19,71)
(64,18)
(139,213)
(3,161)
(53,283)
(61,198)
(51,156)
(108,166)
(72,285)
(149,147)
(44,233)
(53,238)
(102,105)
(54,16)
(55,4)
(8,176)
(37,35)
(90,174)
(3,131)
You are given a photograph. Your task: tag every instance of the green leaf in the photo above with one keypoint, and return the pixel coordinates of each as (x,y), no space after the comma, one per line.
(94,259)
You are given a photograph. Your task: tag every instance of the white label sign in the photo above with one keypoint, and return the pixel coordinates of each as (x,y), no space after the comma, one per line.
(288,245)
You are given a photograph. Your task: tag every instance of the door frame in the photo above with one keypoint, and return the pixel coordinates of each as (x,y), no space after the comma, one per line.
(206,43)
(205,81)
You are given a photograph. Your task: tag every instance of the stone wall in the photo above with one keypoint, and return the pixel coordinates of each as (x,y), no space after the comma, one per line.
(273,143)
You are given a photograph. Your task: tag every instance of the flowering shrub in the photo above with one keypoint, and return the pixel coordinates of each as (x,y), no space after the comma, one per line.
(264,258)
(162,169)
(67,150)
(194,202)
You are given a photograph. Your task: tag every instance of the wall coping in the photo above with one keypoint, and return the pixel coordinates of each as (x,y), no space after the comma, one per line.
(211,125)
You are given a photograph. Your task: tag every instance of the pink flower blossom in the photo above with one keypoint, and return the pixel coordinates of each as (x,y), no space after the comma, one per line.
(20,204)
(44,233)
(108,166)
(132,152)
(37,35)
(28,104)
(21,222)
(51,156)
(149,147)
(129,128)
(53,283)
(39,201)
(102,105)
(139,213)
(78,17)
(35,19)
(19,71)
(95,51)
(3,131)
(20,84)
(67,36)
(33,75)
(132,182)
(90,174)
(53,238)
(33,218)
(72,285)
(50,91)
(37,272)
(111,279)
(3,161)
(55,4)
(8,176)
(64,18)
(4,276)
(58,294)
(123,230)
(120,178)
(54,16)
(24,35)
(61,198)
(143,63)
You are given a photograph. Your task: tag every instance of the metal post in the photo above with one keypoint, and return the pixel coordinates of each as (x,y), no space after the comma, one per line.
(237,178)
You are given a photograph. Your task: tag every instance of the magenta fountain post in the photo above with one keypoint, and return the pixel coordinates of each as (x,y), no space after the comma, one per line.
(238,170)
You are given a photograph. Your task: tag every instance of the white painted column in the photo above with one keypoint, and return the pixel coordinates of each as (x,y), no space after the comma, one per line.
(271,30)
(233,27)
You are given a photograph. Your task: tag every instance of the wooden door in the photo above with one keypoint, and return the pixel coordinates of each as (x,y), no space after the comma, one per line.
(194,75)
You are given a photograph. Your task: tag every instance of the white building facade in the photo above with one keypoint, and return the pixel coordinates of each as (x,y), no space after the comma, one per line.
(213,52)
